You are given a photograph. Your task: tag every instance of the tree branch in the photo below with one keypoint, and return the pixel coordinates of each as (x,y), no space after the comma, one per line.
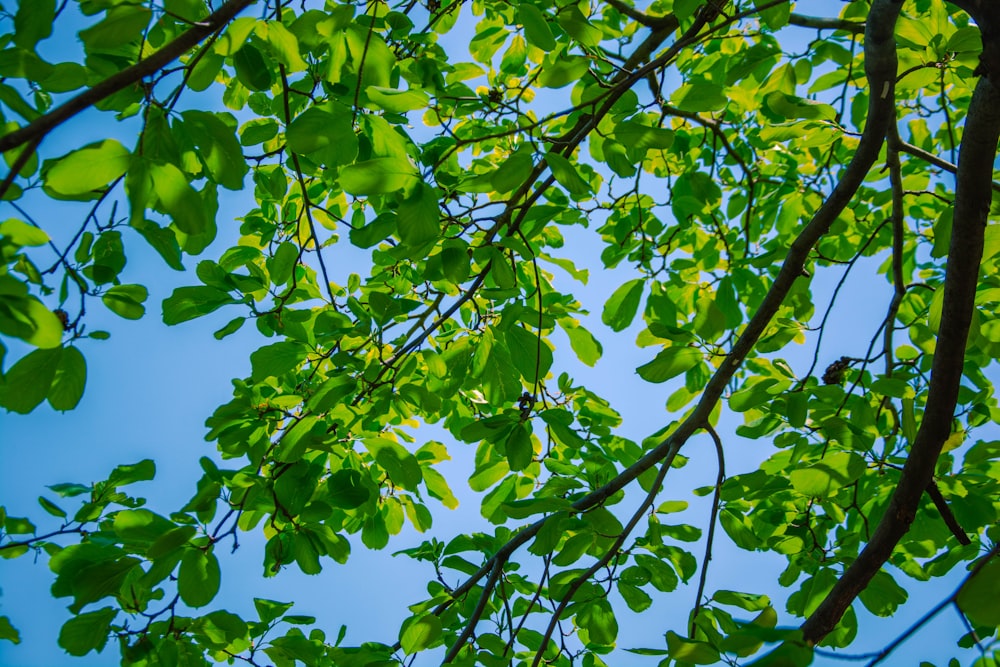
(710,539)
(972,204)
(946,514)
(930,158)
(823,23)
(40,127)
(931,613)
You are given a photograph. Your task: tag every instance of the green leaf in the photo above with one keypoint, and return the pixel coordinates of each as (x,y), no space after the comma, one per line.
(276,359)
(562,71)
(27,383)
(69,381)
(87,169)
(670,362)
(579,27)
(347,490)
(51,507)
(774,17)
(122,24)
(979,595)
(327,136)
(698,97)
(198,577)
(217,147)
(397,101)
(284,46)
(252,70)
(126,301)
(87,632)
(567,176)
(33,22)
(519,449)
(163,241)
(620,309)
(687,650)
(419,633)
(513,171)
(883,596)
(187,303)
(598,619)
(8,632)
(178,199)
(536,27)
(419,218)
(785,107)
(22,234)
(587,348)
(27,318)
(170,541)
(123,475)
(636,598)
(378,176)
(401,466)
(821,479)
(268,610)
(745,601)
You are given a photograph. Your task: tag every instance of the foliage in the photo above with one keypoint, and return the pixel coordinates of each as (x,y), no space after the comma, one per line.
(731,156)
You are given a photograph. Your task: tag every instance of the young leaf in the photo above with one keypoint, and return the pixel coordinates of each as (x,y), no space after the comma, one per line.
(198,577)
(27,382)
(87,632)
(378,176)
(69,381)
(87,169)
(620,309)
(670,362)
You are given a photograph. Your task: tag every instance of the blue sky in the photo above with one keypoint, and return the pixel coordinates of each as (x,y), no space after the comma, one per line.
(150,389)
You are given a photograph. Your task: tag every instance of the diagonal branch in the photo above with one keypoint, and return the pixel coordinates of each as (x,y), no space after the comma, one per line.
(40,127)
(930,158)
(972,204)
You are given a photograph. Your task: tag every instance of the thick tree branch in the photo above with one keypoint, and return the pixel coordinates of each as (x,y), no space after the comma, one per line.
(40,127)
(972,204)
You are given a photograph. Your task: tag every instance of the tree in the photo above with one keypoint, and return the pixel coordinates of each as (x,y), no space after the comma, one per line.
(732,156)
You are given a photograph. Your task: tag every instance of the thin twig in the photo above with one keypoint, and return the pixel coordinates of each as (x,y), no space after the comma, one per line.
(720,478)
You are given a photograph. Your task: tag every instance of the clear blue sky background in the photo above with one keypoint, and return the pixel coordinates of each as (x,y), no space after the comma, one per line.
(150,389)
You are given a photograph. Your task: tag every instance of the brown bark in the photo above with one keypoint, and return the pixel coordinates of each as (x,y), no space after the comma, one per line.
(973,195)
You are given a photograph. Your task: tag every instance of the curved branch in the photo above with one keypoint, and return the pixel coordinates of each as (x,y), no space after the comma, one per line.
(710,539)
(41,126)
(972,204)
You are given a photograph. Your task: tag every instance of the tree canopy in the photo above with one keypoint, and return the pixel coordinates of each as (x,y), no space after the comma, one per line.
(425,189)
